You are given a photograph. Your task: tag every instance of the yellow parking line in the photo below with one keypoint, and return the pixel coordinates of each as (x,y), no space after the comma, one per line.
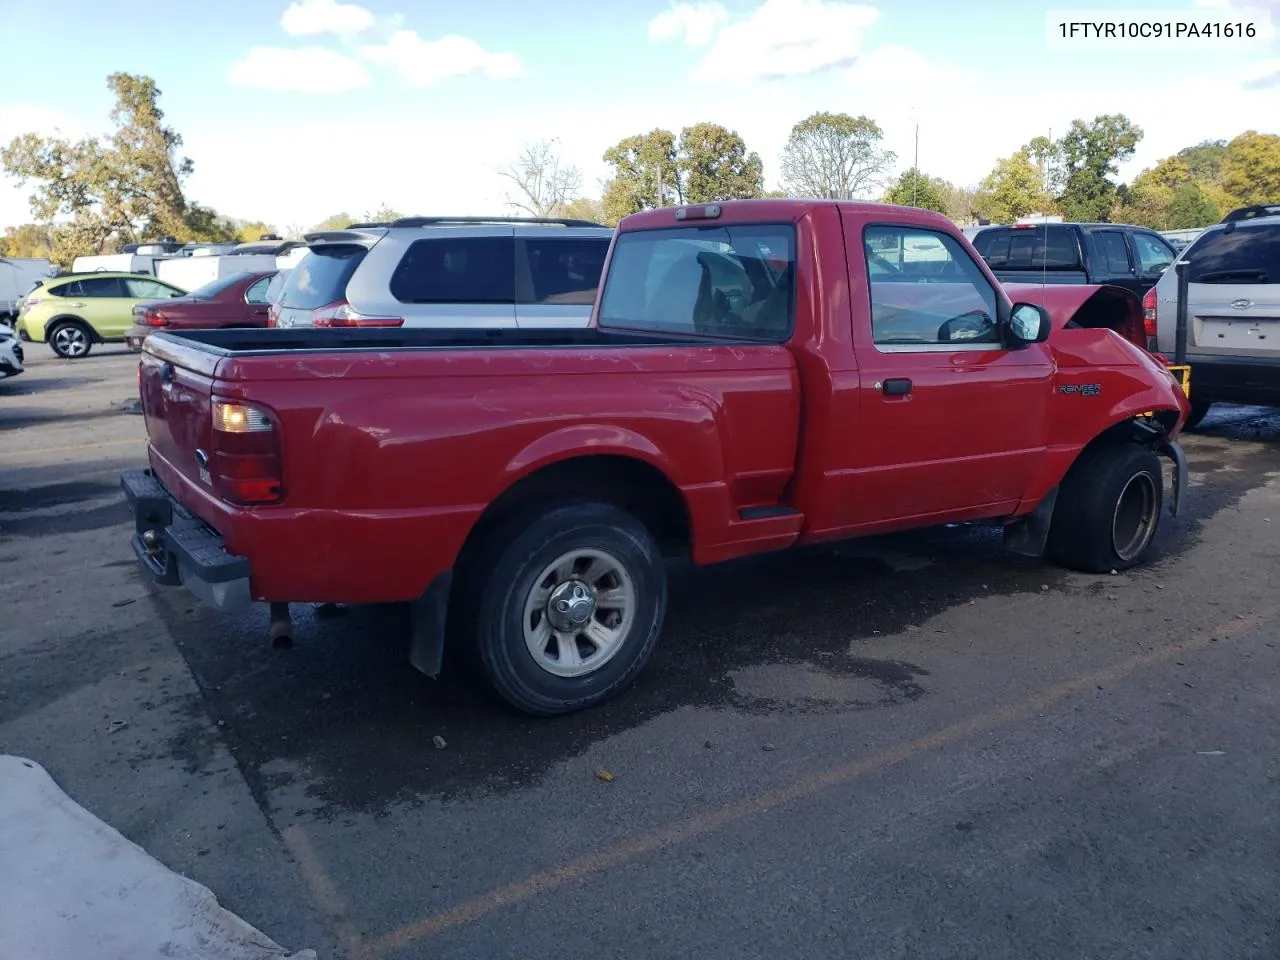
(322,888)
(711,820)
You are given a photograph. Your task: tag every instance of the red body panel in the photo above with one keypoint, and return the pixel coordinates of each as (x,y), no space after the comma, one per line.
(227,309)
(391,457)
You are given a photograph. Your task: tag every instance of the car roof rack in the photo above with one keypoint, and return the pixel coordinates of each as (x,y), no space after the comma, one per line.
(437,221)
(366,225)
(1256,210)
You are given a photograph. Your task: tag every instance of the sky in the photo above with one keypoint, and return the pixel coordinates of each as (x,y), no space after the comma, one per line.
(293,110)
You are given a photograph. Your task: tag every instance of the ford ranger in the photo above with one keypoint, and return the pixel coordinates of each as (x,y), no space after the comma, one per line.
(757,375)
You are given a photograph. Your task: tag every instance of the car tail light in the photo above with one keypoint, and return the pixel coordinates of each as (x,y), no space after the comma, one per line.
(152,318)
(273,314)
(340,314)
(1149,312)
(246,466)
(30,302)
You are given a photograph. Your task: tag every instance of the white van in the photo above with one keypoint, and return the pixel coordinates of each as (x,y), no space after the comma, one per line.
(17,276)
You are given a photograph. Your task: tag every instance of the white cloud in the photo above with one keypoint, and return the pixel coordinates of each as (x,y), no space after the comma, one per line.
(696,23)
(1264,75)
(312,17)
(304,70)
(424,62)
(787,38)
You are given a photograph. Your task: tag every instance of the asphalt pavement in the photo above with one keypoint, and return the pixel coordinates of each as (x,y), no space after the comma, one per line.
(912,747)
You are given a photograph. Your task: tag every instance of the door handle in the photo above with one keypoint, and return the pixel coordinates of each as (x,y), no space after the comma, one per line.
(896,387)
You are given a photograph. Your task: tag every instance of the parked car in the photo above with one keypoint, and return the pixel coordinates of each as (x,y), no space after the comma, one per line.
(448,272)
(1233,311)
(1060,253)
(239,300)
(748,384)
(73,312)
(10,355)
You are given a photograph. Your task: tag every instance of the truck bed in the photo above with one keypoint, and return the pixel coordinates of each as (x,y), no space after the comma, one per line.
(230,342)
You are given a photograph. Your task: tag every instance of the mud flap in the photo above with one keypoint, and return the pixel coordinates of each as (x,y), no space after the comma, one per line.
(427,617)
(1028,535)
(1173,451)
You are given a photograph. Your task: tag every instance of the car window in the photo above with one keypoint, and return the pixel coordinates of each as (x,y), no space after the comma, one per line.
(320,278)
(1153,255)
(257,292)
(276,287)
(1042,246)
(565,270)
(103,287)
(457,270)
(925,290)
(729,281)
(141,289)
(1115,255)
(1249,253)
(71,289)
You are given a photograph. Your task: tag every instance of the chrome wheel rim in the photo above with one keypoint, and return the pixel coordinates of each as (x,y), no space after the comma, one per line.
(579,612)
(1133,523)
(71,341)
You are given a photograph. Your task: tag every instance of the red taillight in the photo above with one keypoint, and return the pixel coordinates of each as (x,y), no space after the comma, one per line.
(153,318)
(31,302)
(273,314)
(1149,312)
(340,314)
(245,467)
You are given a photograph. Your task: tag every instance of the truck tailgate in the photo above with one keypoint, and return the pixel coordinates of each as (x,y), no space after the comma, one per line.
(176,386)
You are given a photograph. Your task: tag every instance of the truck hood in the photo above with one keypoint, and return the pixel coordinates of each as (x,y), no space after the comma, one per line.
(1091,305)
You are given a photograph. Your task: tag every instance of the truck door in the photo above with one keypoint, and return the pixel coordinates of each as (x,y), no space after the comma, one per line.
(951,420)
(1113,262)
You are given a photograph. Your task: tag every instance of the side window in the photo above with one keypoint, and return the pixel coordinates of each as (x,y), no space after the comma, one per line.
(1153,256)
(1114,253)
(457,270)
(926,291)
(565,270)
(103,287)
(257,292)
(147,289)
(71,289)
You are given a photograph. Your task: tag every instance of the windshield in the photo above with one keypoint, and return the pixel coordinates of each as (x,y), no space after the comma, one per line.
(321,278)
(728,281)
(215,287)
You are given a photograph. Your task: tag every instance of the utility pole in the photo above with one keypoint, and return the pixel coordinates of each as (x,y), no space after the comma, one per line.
(915,166)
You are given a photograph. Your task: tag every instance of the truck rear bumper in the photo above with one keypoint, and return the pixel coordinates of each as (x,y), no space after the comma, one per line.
(179,549)
(1236,379)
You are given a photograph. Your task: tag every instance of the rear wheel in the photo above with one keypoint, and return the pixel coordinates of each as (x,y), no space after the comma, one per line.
(70,339)
(1108,509)
(568,605)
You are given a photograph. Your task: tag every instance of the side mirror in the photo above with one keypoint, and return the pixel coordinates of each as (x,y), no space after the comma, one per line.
(1028,324)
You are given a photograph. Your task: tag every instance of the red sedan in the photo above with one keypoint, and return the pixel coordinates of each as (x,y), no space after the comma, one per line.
(239,300)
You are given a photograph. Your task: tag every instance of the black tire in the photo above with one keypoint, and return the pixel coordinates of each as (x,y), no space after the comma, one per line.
(1108,491)
(70,339)
(1198,412)
(508,564)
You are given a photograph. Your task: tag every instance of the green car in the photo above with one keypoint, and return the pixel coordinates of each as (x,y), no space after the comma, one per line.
(76,310)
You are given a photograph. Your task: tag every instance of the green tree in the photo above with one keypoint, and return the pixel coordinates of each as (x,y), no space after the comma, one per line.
(1189,207)
(27,240)
(1204,160)
(835,156)
(1015,188)
(126,186)
(1089,155)
(336,221)
(248,232)
(645,175)
(714,164)
(584,208)
(914,189)
(1251,168)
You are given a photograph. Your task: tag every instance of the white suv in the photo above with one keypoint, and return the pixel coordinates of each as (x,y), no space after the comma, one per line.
(1233,311)
(488,272)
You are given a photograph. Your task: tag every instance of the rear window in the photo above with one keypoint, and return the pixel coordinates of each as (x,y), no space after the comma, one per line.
(215,287)
(457,270)
(1038,247)
(729,281)
(321,277)
(1250,253)
(565,269)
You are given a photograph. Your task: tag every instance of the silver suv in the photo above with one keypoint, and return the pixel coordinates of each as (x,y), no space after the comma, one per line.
(1233,311)
(447,272)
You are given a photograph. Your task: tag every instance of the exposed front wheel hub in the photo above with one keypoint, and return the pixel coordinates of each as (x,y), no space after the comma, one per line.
(571,606)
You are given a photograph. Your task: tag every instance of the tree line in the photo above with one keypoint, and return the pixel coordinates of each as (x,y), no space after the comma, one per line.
(98,193)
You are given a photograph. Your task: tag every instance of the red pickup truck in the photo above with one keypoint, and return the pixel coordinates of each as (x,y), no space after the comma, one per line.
(758,375)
